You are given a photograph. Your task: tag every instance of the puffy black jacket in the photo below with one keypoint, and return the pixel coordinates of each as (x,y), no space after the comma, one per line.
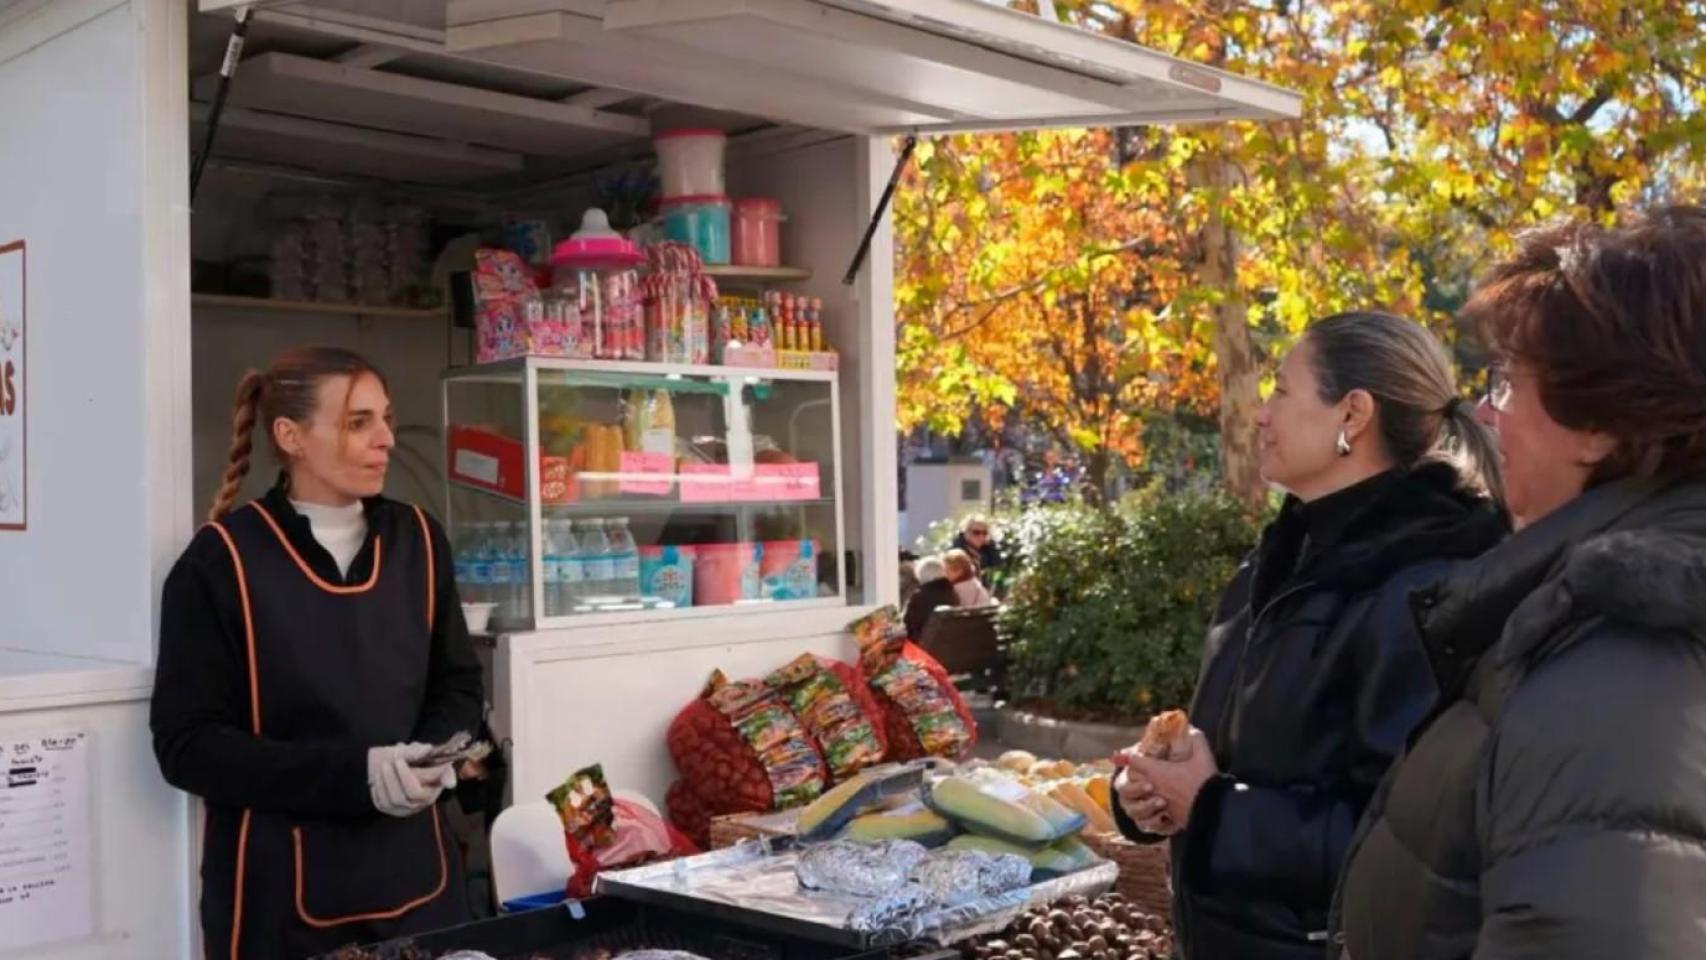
(1313,677)
(1556,806)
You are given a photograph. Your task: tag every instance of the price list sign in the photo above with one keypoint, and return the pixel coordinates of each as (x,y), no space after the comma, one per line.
(46,892)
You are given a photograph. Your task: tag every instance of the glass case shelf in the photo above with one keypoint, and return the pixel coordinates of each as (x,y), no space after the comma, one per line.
(652,490)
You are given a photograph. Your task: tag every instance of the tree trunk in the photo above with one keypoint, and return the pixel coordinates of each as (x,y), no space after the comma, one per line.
(1234,351)
(1096,472)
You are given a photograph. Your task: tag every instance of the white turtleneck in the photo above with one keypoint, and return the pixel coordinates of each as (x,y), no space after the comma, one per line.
(341,530)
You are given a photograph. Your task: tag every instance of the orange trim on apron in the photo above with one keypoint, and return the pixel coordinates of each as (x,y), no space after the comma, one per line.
(254,722)
(322,924)
(432,572)
(310,574)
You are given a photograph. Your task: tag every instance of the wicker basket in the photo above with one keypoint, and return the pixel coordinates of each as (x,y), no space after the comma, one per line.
(737,827)
(1144,871)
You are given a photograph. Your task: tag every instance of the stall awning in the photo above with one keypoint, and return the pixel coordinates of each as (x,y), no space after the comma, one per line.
(863,66)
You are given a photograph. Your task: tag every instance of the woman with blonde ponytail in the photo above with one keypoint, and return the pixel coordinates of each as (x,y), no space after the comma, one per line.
(1313,672)
(312,648)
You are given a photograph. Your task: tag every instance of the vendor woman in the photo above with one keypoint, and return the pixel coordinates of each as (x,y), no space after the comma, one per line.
(311,650)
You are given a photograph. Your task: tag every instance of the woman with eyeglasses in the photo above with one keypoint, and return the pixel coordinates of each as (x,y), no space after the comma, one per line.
(1556,807)
(1313,674)
(977,538)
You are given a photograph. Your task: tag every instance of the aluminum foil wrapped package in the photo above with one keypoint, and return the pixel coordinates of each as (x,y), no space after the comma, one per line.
(894,911)
(859,869)
(958,877)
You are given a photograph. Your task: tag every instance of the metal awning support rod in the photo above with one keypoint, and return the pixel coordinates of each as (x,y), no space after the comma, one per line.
(877,215)
(227,70)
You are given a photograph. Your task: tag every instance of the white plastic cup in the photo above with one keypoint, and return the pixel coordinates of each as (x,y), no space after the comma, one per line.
(479,616)
(690,162)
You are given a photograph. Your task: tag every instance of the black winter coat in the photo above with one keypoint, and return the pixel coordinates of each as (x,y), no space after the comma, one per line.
(1312,678)
(936,593)
(1556,806)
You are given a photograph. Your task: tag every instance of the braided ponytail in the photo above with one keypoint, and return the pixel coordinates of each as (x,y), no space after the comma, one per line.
(244,413)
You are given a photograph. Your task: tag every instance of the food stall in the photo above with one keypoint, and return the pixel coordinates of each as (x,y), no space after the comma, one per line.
(355,139)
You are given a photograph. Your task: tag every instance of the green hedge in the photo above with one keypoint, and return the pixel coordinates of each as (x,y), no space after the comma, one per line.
(1107,609)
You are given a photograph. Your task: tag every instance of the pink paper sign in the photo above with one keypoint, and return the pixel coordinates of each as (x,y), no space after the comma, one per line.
(638,468)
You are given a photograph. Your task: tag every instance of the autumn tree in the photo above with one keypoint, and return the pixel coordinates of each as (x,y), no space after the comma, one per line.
(1093,279)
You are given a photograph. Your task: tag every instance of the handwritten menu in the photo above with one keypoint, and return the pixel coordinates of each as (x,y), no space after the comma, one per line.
(46,892)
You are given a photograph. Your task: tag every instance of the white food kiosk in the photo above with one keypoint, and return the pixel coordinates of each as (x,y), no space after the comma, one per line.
(116,370)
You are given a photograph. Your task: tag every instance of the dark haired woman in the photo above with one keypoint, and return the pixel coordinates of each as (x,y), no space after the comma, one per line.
(1313,675)
(1556,807)
(311,648)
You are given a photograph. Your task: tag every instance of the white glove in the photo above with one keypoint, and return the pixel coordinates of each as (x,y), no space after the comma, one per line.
(400,790)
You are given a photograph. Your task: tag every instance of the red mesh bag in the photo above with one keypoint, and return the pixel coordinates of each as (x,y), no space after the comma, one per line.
(923,712)
(739,749)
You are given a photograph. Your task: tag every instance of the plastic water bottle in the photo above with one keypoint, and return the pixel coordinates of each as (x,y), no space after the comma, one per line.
(572,568)
(502,592)
(519,551)
(468,537)
(563,569)
(625,560)
(597,560)
(478,587)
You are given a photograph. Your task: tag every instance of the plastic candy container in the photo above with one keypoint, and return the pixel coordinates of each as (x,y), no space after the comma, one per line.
(756,232)
(690,162)
(701,221)
(596,292)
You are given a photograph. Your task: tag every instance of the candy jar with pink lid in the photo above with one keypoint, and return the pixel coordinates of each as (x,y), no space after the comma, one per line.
(596,292)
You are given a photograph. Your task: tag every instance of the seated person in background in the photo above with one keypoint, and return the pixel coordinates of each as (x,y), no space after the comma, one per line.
(962,573)
(978,539)
(934,591)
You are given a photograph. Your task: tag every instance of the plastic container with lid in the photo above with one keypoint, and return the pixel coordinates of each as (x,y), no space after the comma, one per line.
(690,162)
(596,292)
(702,222)
(725,573)
(756,232)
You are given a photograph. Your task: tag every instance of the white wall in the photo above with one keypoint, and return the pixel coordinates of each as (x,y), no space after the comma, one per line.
(73,177)
(573,698)
(140,833)
(93,176)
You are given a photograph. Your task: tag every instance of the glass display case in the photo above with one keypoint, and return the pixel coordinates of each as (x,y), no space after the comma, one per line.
(582,489)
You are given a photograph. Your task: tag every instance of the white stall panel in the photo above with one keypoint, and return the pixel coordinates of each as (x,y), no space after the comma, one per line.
(136,832)
(74,164)
(569,701)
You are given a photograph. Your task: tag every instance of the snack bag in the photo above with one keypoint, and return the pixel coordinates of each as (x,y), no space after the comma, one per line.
(588,813)
(923,713)
(837,710)
(740,748)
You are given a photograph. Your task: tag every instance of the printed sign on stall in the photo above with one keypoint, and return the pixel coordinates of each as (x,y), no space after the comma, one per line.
(13,433)
(46,839)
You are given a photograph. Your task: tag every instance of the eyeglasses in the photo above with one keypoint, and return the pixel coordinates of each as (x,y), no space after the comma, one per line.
(977,532)
(1499,387)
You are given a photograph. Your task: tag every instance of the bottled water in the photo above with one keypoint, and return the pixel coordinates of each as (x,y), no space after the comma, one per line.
(480,553)
(625,561)
(563,568)
(597,560)
(518,551)
(467,541)
(573,568)
(502,589)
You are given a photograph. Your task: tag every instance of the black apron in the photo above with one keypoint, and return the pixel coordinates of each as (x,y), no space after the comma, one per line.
(329,662)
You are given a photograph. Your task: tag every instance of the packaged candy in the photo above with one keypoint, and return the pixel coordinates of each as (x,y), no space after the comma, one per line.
(584,803)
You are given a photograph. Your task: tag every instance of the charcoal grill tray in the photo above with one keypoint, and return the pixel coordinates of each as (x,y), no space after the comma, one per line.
(614,925)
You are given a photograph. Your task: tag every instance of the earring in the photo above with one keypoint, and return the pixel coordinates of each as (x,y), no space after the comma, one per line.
(1343,445)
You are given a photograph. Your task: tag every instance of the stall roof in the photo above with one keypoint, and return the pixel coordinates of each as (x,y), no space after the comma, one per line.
(865,66)
(521,90)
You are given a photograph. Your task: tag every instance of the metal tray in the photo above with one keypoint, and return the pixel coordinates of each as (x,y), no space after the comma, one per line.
(752,884)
